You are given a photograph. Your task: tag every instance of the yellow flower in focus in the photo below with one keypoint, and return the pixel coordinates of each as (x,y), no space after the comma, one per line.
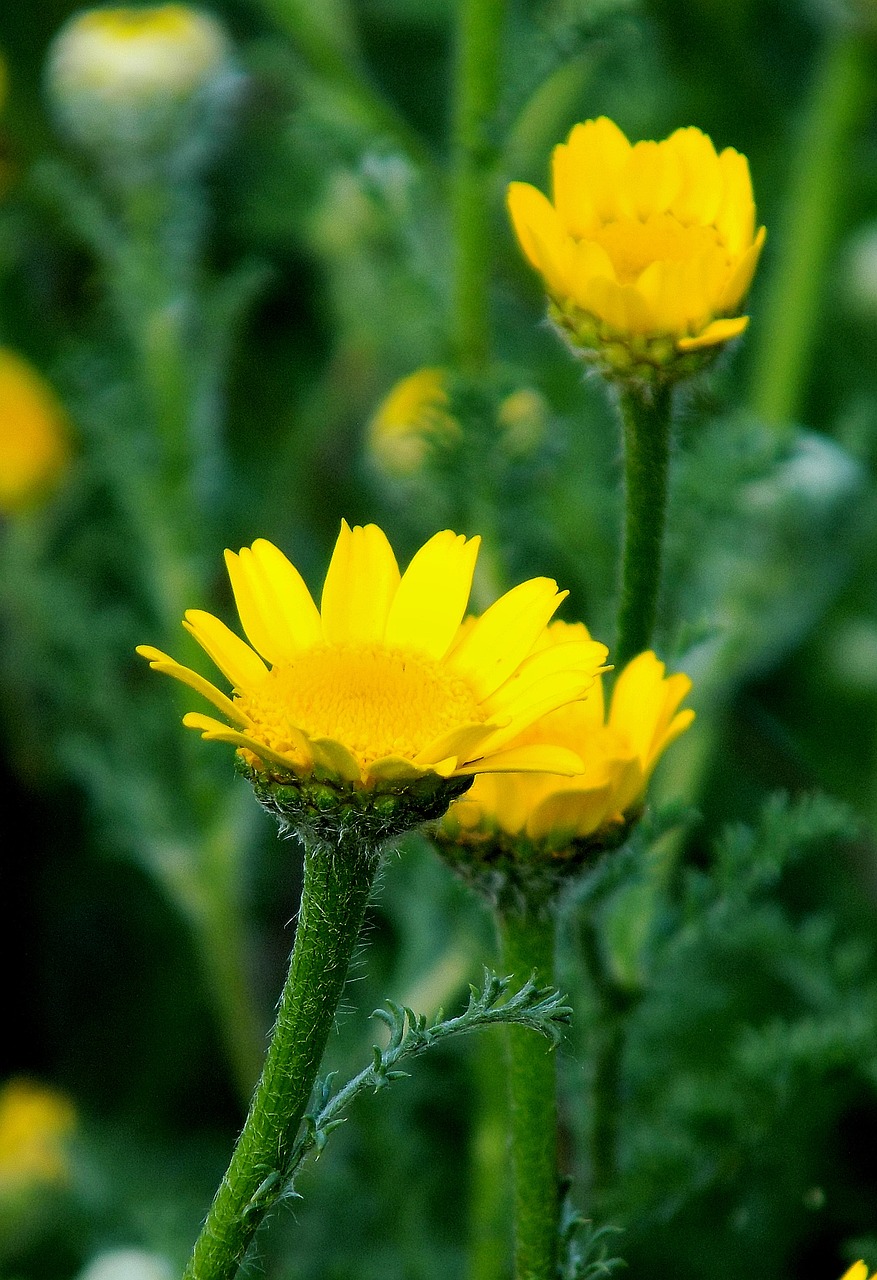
(33,434)
(382,685)
(35,1125)
(647,251)
(858,1271)
(411,420)
(618,751)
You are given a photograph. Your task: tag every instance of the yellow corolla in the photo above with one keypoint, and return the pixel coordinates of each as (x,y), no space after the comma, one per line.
(33,434)
(382,684)
(858,1271)
(35,1126)
(647,251)
(618,754)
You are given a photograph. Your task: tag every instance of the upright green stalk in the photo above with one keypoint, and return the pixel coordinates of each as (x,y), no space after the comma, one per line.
(646,418)
(478,83)
(337,883)
(820,160)
(527,940)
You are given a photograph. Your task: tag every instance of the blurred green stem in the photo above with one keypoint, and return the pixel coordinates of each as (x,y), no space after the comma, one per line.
(337,883)
(527,941)
(477,95)
(821,163)
(646,420)
(614,1002)
(489,1235)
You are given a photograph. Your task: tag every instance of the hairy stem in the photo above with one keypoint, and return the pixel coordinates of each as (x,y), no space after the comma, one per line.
(527,940)
(478,82)
(792,314)
(646,422)
(337,883)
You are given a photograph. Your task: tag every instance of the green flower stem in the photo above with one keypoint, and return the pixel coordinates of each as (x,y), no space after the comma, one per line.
(478,84)
(527,941)
(489,1203)
(337,883)
(646,419)
(792,314)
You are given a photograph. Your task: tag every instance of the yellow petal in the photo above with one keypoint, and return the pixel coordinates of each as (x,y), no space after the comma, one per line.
(212,731)
(461,743)
(599,151)
(702,186)
(255,617)
(714,334)
(570,190)
(236,660)
(297,617)
(360,585)
(737,286)
(537,227)
(497,642)
(735,220)
(334,759)
(622,306)
(569,814)
(429,605)
(650,181)
(538,758)
(161,662)
(588,261)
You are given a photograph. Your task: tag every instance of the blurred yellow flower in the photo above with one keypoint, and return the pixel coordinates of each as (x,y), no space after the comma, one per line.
(411,420)
(382,684)
(168,49)
(858,1271)
(618,753)
(34,445)
(647,251)
(35,1125)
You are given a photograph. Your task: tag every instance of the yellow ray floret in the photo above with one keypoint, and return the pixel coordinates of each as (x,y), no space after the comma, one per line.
(858,1271)
(618,754)
(648,250)
(384,682)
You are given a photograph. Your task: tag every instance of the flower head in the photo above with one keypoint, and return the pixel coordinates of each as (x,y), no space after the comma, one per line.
(412,418)
(562,819)
(33,434)
(381,688)
(35,1125)
(130,82)
(647,251)
(858,1271)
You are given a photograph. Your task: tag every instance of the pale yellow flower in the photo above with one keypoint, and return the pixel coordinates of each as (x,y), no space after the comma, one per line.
(382,684)
(35,1126)
(618,751)
(647,251)
(34,446)
(411,420)
(137,52)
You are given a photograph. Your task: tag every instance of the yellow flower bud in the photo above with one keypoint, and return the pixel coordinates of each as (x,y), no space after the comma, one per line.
(34,446)
(647,251)
(410,421)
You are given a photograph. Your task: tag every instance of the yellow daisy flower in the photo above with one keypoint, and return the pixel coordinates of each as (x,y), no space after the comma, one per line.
(647,251)
(33,434)
(412,418)
(619,752)
(381,685)
(35,1125)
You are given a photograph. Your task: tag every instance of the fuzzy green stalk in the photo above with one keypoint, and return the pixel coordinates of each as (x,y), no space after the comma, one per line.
(337,884)
(792,314)
(527,942)
(477,95)
(646,419)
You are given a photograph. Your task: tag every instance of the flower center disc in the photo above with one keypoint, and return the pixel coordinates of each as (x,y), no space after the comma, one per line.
(632,245)
(377,702)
